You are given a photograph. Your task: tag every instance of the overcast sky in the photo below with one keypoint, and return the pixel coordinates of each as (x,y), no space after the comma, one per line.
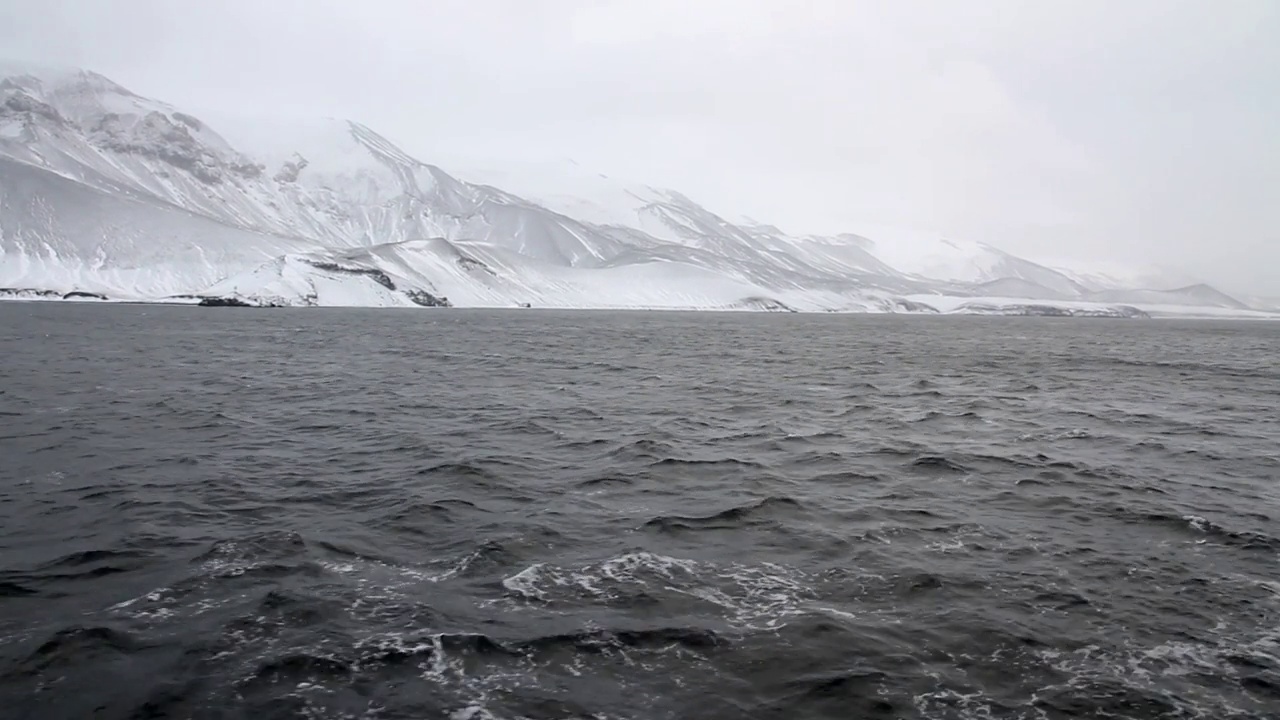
(1127,130)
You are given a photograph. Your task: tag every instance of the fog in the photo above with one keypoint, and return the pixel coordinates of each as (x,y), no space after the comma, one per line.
(1141,132)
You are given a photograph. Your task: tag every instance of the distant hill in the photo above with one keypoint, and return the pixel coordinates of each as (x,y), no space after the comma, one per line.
(1192,296)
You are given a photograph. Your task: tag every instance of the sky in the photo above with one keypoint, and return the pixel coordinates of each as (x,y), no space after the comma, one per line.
(1129,132)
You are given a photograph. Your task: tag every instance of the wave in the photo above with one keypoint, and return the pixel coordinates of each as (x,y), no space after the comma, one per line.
(844,682)
(1200,369)
(423,517)
(461,470)
(595,640)
(76,644)
(938,463)
(746,596)
(270,544)
(86,565)
(933,415)
(723,462)
(1197,526)
(296,610)
(88,557)
(764,510)
(608,480)
(414,647)
(644,449)
(12,589)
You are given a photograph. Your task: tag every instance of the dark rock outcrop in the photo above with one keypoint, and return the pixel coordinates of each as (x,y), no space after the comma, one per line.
(426,299)
(21,102)
(223,302)
(471,264)
(158,136)
(376,275)
(28,293)
(912,306)
(767,304)
(1034,310)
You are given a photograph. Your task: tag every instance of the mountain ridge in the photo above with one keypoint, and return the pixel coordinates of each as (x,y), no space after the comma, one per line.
(107,191)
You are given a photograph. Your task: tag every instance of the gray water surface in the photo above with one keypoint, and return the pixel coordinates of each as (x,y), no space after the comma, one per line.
(221,513)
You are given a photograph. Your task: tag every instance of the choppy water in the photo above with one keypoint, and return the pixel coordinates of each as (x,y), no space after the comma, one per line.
(449,514)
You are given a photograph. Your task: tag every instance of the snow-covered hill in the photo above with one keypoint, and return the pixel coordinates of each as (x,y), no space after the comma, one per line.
(1200,295)
(1099,276)
(936,257)
(106,192)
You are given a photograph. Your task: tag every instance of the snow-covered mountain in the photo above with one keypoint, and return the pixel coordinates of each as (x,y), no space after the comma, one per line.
(936,257)
(1103,276)
(108,193)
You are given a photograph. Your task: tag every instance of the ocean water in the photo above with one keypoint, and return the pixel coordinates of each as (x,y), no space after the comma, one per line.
(223,513)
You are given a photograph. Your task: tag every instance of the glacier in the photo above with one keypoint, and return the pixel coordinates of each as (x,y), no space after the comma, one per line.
(106,194)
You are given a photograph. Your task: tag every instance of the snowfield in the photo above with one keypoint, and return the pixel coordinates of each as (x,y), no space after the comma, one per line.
(106,194)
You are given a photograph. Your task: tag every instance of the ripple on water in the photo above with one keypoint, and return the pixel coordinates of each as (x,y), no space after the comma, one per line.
(340,514)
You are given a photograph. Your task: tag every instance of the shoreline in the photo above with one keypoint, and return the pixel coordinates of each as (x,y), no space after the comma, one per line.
(1065,314)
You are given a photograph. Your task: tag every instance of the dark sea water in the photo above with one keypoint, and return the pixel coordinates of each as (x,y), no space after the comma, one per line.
(219,513)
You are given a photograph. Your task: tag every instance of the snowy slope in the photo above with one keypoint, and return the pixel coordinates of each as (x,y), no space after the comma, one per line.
(1022,307)
(104,191)
(333,182)
(562,186)
(480,275)
(57,234)
(1098,275)
(1193,296)
(1267,304)
(1015,287)
(932,256)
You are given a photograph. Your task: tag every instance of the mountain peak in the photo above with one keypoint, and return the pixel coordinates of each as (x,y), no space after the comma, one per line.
(58,79)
